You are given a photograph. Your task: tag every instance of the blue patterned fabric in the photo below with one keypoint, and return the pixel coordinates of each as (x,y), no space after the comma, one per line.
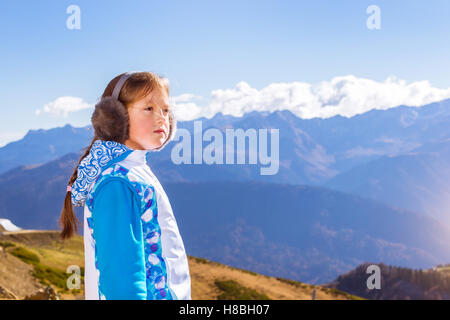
(122,222)
(101,153)
(133,248)
(155,265)
(118,245)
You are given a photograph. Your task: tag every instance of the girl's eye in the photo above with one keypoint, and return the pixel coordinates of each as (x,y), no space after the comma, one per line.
(151,108)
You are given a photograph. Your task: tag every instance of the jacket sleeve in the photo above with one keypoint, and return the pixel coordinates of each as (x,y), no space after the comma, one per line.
(119,241)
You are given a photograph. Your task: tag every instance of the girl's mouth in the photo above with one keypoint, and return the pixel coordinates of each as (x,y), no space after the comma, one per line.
(159,131)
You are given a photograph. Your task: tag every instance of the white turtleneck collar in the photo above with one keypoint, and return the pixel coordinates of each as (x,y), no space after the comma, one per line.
(140,156)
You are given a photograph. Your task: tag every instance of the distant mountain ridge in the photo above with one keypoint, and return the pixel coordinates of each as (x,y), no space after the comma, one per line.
(40,146)
(417,180)
(312,151)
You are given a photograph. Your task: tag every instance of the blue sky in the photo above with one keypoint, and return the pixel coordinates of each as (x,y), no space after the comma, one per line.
(205,46)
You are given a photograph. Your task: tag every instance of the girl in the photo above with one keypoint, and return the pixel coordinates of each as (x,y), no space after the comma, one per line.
(133,248)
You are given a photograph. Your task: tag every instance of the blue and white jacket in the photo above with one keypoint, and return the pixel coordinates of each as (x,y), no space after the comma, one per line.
(133,248)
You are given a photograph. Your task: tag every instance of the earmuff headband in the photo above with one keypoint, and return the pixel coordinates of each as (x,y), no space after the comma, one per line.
(120,83)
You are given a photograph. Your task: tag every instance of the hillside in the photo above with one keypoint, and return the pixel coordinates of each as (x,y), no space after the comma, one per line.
(398,283)
(36,259)
(210,280)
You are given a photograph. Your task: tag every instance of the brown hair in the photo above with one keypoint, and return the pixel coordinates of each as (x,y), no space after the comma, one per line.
(135,87)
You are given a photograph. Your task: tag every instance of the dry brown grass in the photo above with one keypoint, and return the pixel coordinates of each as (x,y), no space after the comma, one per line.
(15,275)
(204,274)
(52,252)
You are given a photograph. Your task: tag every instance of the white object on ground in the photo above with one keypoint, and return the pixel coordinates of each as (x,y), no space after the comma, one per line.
(8,225)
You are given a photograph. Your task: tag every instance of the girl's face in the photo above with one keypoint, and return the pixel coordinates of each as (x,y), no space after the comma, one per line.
(149,121)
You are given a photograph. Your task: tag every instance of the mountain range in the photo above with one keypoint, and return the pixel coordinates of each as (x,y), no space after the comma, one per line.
(372,187)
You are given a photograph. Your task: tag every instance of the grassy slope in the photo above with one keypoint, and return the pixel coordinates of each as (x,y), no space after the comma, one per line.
(54,257)
(209,280)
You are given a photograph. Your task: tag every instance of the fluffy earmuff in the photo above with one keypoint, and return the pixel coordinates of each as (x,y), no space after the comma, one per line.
(110,120)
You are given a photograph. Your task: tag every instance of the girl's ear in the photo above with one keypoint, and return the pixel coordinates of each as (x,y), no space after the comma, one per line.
(110,120)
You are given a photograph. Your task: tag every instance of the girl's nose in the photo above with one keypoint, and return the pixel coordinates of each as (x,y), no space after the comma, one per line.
(160,112)
(160,116)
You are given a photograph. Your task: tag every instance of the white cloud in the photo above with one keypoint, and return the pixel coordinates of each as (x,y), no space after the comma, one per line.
(185,97)
(346,96)
(62,106)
